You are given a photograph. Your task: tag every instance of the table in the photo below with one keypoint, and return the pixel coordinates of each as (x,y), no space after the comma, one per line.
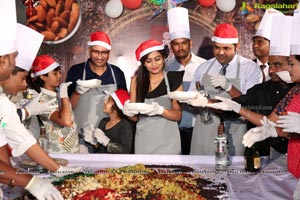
(272,182)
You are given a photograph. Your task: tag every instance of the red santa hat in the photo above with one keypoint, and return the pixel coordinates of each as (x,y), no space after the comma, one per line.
(120,96)
(225,34)
(43,64)
(148,47)
(101,39)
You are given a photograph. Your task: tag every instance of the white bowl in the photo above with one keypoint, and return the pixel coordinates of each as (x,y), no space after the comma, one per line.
(141,107)
(182,95)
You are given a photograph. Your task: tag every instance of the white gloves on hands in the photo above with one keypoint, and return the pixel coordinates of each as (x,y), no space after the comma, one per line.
(42,189)
(199,101)
(260,133)
(290,122)
(221,81)
(88,134)
(101,137)
(35,107)
(226,105)
(128,111)
(83,86)
(63,90)
(155,110)
(62,171)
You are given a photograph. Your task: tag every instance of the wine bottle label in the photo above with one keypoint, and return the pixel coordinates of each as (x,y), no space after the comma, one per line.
(256,162)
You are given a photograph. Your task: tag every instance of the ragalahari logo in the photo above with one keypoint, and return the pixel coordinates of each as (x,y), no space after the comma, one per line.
(246,8)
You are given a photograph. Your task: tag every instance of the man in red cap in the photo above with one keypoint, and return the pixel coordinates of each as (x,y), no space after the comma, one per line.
(229,75)
(87,98)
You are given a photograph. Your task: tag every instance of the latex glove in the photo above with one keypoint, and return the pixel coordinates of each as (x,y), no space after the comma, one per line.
(63,89)
(290,122)
(62,171)
(296,195)
(128,111)
(101,137)
(42,189)
(260,133)
(220,81)
(199,101)
(225,104)
(156,110)
(81,89)
(88,134)
(35,107)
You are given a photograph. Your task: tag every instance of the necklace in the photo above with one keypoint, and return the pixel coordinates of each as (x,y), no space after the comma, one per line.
(114,121)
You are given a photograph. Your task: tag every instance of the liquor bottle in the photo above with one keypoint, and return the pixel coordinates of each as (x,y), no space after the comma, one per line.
(43,140)
(222,157)
(27,98)
(252,159)
(204,112)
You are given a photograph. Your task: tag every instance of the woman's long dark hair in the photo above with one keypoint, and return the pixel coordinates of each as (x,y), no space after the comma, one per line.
(143,80)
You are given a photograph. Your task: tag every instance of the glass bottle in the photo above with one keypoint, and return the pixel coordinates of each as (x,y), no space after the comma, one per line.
(43,140)
(204,112)
(252,159)
(222,158)
(27,98)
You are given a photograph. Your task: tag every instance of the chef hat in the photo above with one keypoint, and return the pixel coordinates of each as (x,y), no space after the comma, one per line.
(29,42)
(43,64)
(281,36)
(101,39)
(147,47)
(178,20)
(265,25)
(295,40)
(8,22)
(225,34)
(120,96)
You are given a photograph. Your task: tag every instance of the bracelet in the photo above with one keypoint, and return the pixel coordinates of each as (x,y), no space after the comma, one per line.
(11,183)
(248,114)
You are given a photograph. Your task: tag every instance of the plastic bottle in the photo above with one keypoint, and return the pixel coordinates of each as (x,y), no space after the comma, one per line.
(43,140)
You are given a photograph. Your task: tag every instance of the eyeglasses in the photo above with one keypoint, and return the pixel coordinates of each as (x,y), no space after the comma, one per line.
(103,53)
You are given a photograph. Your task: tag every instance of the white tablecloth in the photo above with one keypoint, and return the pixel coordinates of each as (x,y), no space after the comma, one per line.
(272,182)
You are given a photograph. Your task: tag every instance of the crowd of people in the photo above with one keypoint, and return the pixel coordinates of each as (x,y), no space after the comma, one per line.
(93,111)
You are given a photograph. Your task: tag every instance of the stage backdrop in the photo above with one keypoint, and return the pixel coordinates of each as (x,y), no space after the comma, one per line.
(127,28)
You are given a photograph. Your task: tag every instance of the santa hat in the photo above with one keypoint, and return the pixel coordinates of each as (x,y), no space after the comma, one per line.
(29,42)
(295,40)
(265,25)
(281,40)
(225,34)
(120,97)
(8,22)
(43,64)
(148,47)
(101,39)
(178,20)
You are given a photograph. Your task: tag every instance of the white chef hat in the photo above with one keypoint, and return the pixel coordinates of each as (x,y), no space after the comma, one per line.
(295,41)
(8,22)
(29,42)
(178,20)
(265,25)
(281,35)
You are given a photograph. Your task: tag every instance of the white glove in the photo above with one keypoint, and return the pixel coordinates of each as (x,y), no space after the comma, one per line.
(260,133)
(226,105)
(63,89)
(290,122)
(155,110)
(42,189)
(62,171)
(220,81)
(35,107)
(128,111)
(88,134)
(199,101)
(296,195)
(101,137)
